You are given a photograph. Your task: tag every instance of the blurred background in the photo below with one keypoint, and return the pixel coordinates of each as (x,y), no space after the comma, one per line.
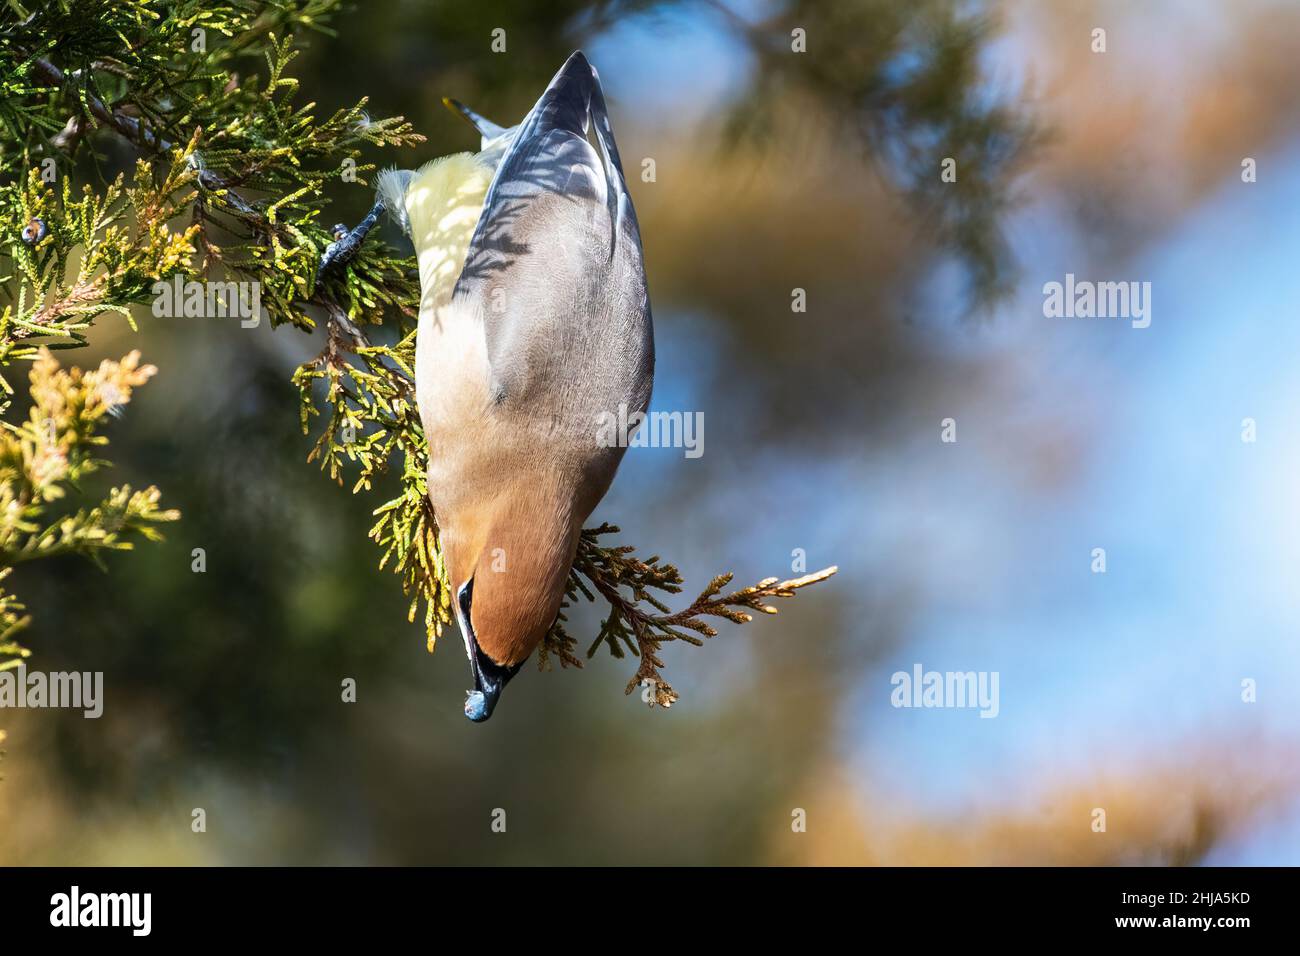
(774,170)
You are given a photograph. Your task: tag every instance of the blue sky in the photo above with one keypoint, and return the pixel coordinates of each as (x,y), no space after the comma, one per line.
(1202,531)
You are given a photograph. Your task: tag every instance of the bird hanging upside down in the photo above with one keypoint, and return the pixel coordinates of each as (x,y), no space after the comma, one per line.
(534,323)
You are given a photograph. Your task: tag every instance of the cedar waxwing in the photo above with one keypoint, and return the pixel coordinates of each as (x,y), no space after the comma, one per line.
(534,324)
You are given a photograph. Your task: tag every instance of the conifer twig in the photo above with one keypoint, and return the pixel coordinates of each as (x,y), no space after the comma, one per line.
(630,627)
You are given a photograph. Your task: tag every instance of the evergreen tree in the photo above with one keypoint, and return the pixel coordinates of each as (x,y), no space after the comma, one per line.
(146,141)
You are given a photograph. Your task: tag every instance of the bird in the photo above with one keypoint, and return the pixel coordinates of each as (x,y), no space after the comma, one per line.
(534,326)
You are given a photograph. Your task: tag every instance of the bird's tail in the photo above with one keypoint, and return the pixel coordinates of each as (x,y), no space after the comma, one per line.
(486,128)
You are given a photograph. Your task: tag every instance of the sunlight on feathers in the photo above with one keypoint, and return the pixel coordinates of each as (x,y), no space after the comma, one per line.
(443,202)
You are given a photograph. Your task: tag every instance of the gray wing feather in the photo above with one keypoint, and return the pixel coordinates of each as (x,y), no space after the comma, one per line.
(620,206)
(555,264)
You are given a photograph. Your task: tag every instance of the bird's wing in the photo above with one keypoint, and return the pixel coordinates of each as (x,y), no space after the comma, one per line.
(549,153)
(555,262)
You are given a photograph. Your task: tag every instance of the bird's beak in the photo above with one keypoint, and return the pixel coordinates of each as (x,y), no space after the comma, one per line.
(489,679)
(489,676)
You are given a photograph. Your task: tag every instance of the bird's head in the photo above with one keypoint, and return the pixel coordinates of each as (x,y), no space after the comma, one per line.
(508,565)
